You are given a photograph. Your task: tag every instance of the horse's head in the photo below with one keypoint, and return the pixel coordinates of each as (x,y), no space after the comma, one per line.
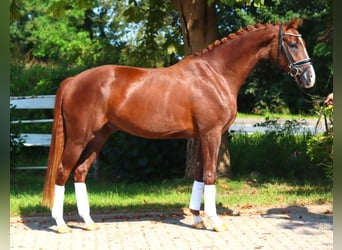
(292,54)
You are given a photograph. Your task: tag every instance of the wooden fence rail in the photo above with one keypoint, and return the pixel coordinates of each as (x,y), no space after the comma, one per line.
(47,102)
(33,139)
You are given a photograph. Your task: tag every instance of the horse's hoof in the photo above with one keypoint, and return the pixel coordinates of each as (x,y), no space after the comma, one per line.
(64,229)
(199,225)
(221,228)
(91,227)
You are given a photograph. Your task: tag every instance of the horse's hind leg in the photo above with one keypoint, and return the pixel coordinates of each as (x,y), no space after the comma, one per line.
(57,210)
(88,156)
(77,155)
(70,156)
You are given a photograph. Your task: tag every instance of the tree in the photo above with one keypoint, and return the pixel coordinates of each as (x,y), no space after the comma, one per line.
(199,23)
(199,26)
(155,34)
(148,33)
(269,90)
(42,38)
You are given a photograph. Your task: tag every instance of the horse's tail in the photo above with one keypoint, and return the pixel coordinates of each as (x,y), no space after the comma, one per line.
(56,148)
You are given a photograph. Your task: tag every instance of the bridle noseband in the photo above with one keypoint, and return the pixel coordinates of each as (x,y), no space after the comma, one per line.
(295,67)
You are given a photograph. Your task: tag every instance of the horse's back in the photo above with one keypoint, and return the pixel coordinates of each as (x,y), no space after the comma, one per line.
(151,103)
(173,102)
(145,102)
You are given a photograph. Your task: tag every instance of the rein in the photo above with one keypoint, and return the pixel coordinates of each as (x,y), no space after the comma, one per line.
(295,66)
(322,113)
(313,98)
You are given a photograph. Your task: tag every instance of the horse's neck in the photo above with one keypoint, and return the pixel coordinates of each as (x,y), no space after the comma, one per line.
(236,58)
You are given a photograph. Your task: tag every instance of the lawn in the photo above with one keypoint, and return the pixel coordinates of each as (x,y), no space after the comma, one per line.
(288,161)
(170,195)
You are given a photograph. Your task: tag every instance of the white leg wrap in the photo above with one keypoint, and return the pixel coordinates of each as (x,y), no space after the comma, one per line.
(82,202)
(196,195)
(210,204)
(57,209)
(195,200)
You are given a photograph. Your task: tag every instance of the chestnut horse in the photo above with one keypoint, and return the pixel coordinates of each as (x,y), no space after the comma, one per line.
(197,97)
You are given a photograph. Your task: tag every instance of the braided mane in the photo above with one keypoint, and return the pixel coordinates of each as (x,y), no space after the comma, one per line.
(232,36)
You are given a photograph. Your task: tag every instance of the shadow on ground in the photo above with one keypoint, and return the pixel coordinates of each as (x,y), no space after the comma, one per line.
(298,216)
(291,217)
(173,216)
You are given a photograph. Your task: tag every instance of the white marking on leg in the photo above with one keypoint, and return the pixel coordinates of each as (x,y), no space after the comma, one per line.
(196,195)
(82,202)
(210,204)
(195,200)
(58,202)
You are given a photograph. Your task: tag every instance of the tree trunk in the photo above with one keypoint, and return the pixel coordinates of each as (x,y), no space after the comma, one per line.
(223,163)
(199,26)
(199,23)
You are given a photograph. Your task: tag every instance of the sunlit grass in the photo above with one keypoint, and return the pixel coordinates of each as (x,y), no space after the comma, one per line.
(170,195)
(271,193)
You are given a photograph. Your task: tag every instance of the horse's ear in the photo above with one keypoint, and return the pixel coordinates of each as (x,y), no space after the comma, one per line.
(294,23)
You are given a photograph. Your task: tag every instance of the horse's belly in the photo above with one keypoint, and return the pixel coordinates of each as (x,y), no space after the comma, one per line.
(155,128)
(154,122)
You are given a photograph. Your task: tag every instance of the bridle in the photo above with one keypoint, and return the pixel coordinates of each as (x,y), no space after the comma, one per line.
(295,66)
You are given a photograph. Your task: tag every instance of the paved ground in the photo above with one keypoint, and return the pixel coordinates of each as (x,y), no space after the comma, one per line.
(291,228)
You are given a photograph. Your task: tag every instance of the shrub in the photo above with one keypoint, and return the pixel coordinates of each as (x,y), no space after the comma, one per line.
(320,146)
(38,79)
(16,144)
(129,158)
(279,152)
(272,155)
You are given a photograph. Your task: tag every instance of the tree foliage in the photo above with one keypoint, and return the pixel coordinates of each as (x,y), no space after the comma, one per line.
(42,36)
(148,33)
(268,89)
(77,33)
(52,40)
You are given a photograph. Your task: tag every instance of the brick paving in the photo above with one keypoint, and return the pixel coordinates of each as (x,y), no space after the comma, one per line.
(293,228)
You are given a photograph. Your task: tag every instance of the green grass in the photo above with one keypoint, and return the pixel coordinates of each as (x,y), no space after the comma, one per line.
(271,193)
(171,195)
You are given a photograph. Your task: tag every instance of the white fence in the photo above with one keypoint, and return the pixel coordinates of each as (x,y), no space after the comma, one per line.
(47,102)
(33,139)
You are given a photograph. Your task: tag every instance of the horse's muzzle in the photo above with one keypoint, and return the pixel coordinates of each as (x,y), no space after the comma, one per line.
(307,78)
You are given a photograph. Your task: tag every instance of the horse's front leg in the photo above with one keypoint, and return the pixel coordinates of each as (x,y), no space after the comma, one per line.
(210,148)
